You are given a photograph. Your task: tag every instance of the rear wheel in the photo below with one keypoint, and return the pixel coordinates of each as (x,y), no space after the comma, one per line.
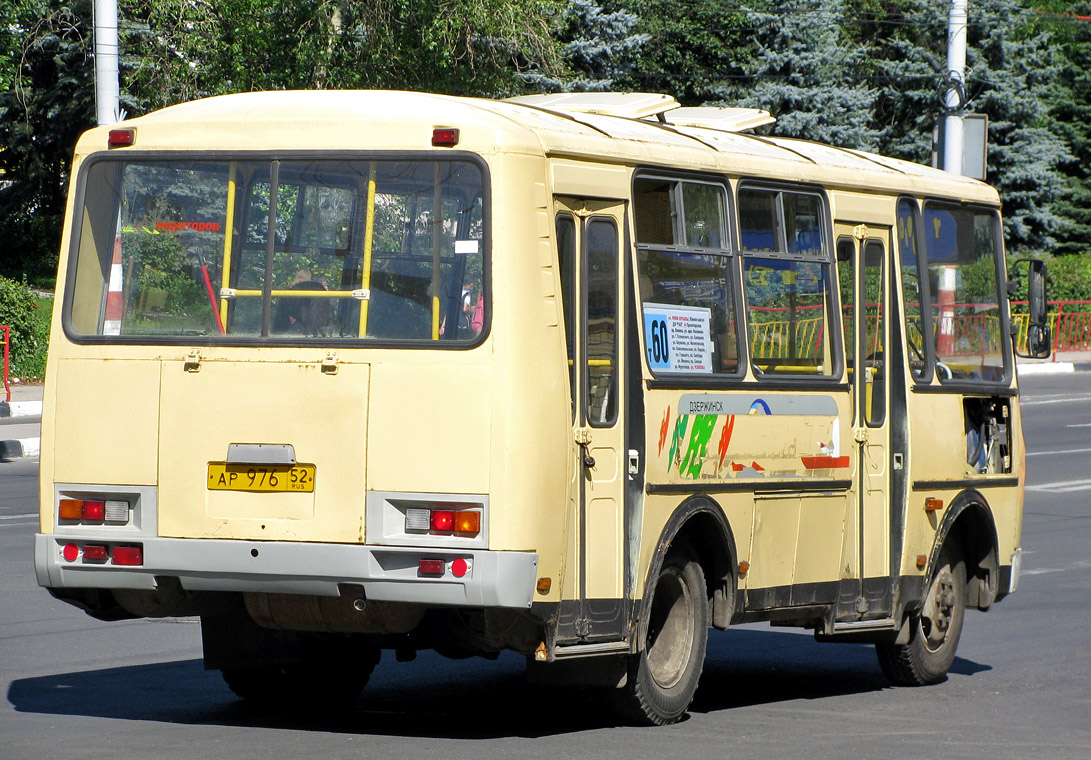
(934,631)
(663,678)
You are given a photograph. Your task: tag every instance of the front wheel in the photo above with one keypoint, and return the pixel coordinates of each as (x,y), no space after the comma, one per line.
(662,678)
(934,631)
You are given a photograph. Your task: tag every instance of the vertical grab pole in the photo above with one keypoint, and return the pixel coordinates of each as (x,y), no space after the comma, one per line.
(437,230)
(369,234)
(229,224)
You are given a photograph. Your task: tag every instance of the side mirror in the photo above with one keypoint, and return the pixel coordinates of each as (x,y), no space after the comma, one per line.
(1039,343)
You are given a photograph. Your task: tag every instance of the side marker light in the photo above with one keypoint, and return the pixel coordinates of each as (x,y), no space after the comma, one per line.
(121,138)
(444,137)
(933,505)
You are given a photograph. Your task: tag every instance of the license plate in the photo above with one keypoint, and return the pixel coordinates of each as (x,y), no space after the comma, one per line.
(262,478)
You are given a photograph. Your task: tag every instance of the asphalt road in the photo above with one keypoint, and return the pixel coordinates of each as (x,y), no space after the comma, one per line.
(1020,688)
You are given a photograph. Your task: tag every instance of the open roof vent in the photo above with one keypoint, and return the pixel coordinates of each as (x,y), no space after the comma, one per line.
(632,105)
(721,119)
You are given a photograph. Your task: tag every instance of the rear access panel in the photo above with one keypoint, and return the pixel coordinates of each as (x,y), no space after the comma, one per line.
(263,451)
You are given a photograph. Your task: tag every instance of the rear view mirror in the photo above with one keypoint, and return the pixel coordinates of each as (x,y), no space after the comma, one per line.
(1039,344)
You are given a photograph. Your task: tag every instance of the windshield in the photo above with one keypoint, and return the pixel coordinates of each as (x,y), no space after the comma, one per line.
(289,250)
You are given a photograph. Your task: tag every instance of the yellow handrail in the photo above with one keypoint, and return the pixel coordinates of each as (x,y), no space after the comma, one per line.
(369,232)
(229,226)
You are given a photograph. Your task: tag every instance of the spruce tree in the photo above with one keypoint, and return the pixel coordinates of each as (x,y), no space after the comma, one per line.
(806,72)
(597,47)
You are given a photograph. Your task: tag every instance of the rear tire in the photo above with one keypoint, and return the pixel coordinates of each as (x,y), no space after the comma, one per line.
(663,677)
(934,630)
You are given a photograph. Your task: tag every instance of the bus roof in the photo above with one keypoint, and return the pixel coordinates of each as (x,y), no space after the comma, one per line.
(391,120)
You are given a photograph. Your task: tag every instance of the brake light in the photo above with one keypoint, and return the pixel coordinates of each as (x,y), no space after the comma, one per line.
(94,511)
(443,520)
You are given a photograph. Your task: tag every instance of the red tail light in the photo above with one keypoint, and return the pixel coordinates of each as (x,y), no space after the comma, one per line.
(431,567)
(443,520)
(94,511)
(128,555)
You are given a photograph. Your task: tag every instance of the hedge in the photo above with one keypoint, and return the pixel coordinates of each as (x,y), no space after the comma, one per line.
(29,322)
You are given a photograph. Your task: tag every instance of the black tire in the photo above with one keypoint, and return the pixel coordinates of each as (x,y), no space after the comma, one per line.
(934,630)
(663,677)
(324,683)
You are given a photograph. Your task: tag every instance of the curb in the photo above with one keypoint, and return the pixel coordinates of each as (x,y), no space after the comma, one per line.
(20,447)
(20,408)
(1046,368)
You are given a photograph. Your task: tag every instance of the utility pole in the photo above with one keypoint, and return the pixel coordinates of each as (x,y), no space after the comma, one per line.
(955,97)
(107,81)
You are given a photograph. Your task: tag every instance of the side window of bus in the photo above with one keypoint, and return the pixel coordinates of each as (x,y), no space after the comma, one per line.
(566,255)
(873,356)
(787,281)
(963,248)
(685,276)
(909,258)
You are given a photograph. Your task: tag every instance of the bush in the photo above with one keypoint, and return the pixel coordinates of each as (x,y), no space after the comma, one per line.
(1068,277)
(29,323)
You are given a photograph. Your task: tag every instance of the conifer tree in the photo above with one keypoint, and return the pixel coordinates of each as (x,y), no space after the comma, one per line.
(806,72)
(598,49)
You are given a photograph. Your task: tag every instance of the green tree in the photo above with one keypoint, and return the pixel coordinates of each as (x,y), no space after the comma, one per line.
(695,50)
(599,48)
(48,103)
(805,70)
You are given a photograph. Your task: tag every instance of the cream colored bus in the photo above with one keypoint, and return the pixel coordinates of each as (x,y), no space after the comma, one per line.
(577,376)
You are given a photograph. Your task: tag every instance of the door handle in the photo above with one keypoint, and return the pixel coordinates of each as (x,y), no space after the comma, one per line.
(634,463)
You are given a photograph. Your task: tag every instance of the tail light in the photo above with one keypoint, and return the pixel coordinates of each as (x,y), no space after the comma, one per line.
(443,521)
(93,511)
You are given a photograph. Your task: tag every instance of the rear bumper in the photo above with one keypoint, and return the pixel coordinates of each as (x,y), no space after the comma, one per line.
(493,578)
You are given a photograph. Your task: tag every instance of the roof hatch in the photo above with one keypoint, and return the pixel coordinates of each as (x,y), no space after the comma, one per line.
(631,105)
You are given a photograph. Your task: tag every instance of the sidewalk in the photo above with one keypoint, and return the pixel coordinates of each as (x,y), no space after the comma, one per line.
(1060,362)
(20,421)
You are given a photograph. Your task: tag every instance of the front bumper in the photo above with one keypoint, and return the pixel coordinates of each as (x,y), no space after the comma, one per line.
(493,578)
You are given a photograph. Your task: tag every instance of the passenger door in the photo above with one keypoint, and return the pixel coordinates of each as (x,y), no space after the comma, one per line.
(590,245)
(867,344)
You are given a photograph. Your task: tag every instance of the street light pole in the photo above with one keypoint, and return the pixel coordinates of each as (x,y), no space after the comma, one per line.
(954,98)
(107,80)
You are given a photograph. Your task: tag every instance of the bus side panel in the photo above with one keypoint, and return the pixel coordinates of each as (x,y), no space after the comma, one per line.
(533,450)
